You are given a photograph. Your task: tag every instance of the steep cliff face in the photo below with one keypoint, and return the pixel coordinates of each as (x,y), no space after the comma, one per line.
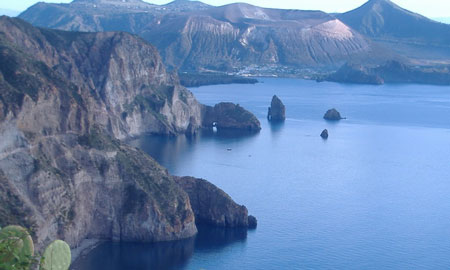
(213,206)
(65,101)
(197,37)
(121,78)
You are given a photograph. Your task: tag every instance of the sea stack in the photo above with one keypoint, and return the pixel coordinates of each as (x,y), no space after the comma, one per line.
(277,110)
(332,115)
(324,134)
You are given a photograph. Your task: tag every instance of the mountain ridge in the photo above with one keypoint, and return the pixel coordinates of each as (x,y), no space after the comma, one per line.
(242,39)
(227,39)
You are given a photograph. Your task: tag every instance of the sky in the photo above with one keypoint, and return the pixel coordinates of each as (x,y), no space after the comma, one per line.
(429,8)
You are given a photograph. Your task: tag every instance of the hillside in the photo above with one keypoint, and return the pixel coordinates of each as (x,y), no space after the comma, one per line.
(403,31)
(242,39)
(193,36)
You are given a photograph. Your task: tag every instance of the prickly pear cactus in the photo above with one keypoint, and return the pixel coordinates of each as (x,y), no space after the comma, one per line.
(16,248)
(57,256)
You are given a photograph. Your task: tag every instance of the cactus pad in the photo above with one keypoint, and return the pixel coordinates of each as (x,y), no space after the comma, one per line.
(18,245)
(57,256)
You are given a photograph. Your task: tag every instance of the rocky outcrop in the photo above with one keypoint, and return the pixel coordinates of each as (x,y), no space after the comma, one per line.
(277,110)
(324,134)
(252,222)
(213,206)
(332,115)
(353,73)
(65,101)
(227,115)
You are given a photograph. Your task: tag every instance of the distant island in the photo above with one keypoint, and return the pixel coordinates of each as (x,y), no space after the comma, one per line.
(244,40)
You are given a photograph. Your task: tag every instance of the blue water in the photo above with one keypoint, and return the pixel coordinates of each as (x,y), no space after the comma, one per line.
(375,195)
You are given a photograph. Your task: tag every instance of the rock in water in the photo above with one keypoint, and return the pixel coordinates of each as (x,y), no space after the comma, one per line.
(332,115)
(277,110)
(227,115)
(252,222)
(324,134)
(213,206)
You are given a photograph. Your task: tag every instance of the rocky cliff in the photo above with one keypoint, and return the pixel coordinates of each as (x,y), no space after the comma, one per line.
(227,115)
(66,100)
(127,89)
(213,206)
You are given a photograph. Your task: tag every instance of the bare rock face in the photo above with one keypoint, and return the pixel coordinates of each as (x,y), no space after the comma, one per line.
(332,115)
(324,134)
(277,110)
(213,206)
(227,115)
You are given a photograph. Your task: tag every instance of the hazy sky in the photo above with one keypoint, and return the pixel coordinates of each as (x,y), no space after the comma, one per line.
(429,8)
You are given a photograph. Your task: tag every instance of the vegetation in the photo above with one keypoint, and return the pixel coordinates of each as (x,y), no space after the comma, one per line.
(56,256)
(17,251)
(98,140)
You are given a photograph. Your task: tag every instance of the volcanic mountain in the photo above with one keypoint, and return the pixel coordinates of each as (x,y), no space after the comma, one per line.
(408,33)
(193,36)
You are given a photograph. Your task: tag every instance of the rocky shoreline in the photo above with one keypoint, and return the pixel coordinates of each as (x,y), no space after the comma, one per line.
(68,103)
(203,79)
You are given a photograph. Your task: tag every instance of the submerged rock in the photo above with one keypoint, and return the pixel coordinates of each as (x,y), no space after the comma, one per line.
(277,110)
(332,115)
(324,134)
(213,206)
(227,115)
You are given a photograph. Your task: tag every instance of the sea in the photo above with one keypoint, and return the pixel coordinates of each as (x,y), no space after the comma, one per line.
(375,195)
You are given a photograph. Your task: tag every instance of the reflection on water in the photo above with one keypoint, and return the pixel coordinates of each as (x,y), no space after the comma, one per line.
(168,151)
(276,126)
(215,238)
(161,256)
(138,256)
